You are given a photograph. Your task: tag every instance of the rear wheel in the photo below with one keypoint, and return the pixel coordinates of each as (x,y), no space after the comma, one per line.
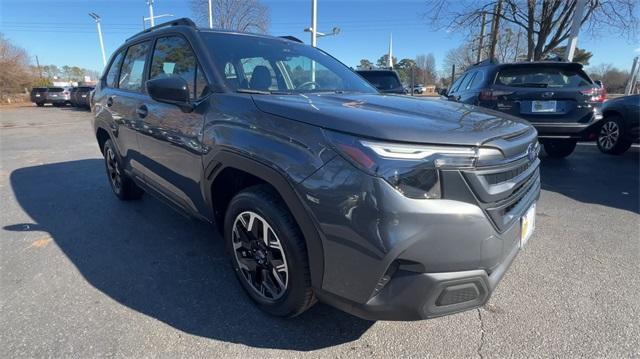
(123,186)
(39,104)
(268,252)
(611,139)
(559,148)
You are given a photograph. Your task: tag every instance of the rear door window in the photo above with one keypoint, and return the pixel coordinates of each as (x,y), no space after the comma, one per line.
(132,72)
(477,81)
(111,79)
(543,76)
(457,83)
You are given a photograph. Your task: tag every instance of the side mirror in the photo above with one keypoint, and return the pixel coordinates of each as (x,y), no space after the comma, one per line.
(171,89)
(443,92)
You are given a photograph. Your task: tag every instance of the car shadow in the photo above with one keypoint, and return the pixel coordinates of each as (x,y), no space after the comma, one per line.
(590,176)
(151,259)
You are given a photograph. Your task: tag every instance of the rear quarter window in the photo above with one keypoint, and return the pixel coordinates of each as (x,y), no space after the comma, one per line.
(542,76)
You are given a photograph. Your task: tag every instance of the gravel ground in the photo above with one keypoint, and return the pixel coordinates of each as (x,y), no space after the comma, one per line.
(85,275)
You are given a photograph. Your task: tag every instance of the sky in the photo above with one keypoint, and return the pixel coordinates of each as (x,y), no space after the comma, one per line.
(60,32)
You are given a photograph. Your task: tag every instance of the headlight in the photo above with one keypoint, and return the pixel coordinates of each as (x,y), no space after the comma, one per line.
(413,170)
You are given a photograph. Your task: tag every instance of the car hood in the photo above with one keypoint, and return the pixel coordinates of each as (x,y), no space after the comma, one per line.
(395,118)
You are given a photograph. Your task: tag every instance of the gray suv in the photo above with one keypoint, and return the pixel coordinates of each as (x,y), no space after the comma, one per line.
(387,207)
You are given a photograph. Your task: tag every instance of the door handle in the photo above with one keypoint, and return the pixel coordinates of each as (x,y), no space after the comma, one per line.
(142,111)
(109,101)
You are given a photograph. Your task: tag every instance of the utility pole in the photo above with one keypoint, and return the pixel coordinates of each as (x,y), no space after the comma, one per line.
(481,41)
(390,54)
(210,15)
(97,19)
(495,27)
(151,17)
(39,68)
(631,83)
(575,29)
(453,75)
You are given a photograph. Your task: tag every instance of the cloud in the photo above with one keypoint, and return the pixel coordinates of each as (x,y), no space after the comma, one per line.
(637,50)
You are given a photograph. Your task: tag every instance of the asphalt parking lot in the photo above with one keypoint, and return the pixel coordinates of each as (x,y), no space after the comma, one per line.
(85,275)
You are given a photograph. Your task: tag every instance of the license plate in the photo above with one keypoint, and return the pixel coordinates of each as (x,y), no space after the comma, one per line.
(543,106)
(84,95)
(54,95)
(37,95)
(527,225)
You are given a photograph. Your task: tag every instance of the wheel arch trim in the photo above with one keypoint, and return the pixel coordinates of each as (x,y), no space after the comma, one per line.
(227,159)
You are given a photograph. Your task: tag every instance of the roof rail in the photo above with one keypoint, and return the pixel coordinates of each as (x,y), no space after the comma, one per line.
(181,21)
(291,38)
(492,61)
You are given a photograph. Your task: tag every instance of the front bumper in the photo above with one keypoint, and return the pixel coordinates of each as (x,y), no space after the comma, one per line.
(389,257)
(415,296)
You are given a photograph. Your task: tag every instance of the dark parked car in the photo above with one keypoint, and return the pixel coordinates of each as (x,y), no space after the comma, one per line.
(72,96)
(387,207)
(80,97)
(58,96)
(386,81)
(621,124)
(558,98)
(39,96)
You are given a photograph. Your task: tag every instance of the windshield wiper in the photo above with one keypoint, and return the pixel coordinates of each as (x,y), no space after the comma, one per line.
(255,92)
(260,92)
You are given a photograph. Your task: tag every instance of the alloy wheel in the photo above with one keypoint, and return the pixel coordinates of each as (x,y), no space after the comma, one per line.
(113,170)
(260,256)
(609,134)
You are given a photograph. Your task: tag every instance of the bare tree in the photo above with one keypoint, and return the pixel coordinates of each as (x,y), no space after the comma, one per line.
(15,72)
(462,57)
(237,15)
(427,66)
(546,23)
(614,79)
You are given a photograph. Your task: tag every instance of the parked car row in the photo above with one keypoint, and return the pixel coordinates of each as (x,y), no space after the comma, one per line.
(62,96)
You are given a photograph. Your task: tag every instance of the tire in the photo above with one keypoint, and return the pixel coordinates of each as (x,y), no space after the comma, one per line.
(40,104)
(559,148)
(123,187)
(289,294)
(611,139)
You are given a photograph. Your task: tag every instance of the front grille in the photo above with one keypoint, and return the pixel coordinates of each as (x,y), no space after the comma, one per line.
(500,177)
(503,191)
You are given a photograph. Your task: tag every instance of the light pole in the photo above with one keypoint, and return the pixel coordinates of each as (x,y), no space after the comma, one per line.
(96,18)
(210,15)
(151,17)
(575,29)
(315,34)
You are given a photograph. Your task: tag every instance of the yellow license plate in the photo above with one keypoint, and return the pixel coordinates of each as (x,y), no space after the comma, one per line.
(527,225)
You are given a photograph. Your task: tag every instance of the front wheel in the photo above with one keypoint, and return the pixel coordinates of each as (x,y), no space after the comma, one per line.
(559,148)
(268,252)
(39,104)
(611,139)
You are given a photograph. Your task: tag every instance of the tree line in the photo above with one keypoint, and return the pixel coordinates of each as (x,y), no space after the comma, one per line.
(18,74)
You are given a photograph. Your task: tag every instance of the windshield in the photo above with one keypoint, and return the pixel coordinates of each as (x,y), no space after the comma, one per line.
(271,65)
(543,76)
(382,80)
